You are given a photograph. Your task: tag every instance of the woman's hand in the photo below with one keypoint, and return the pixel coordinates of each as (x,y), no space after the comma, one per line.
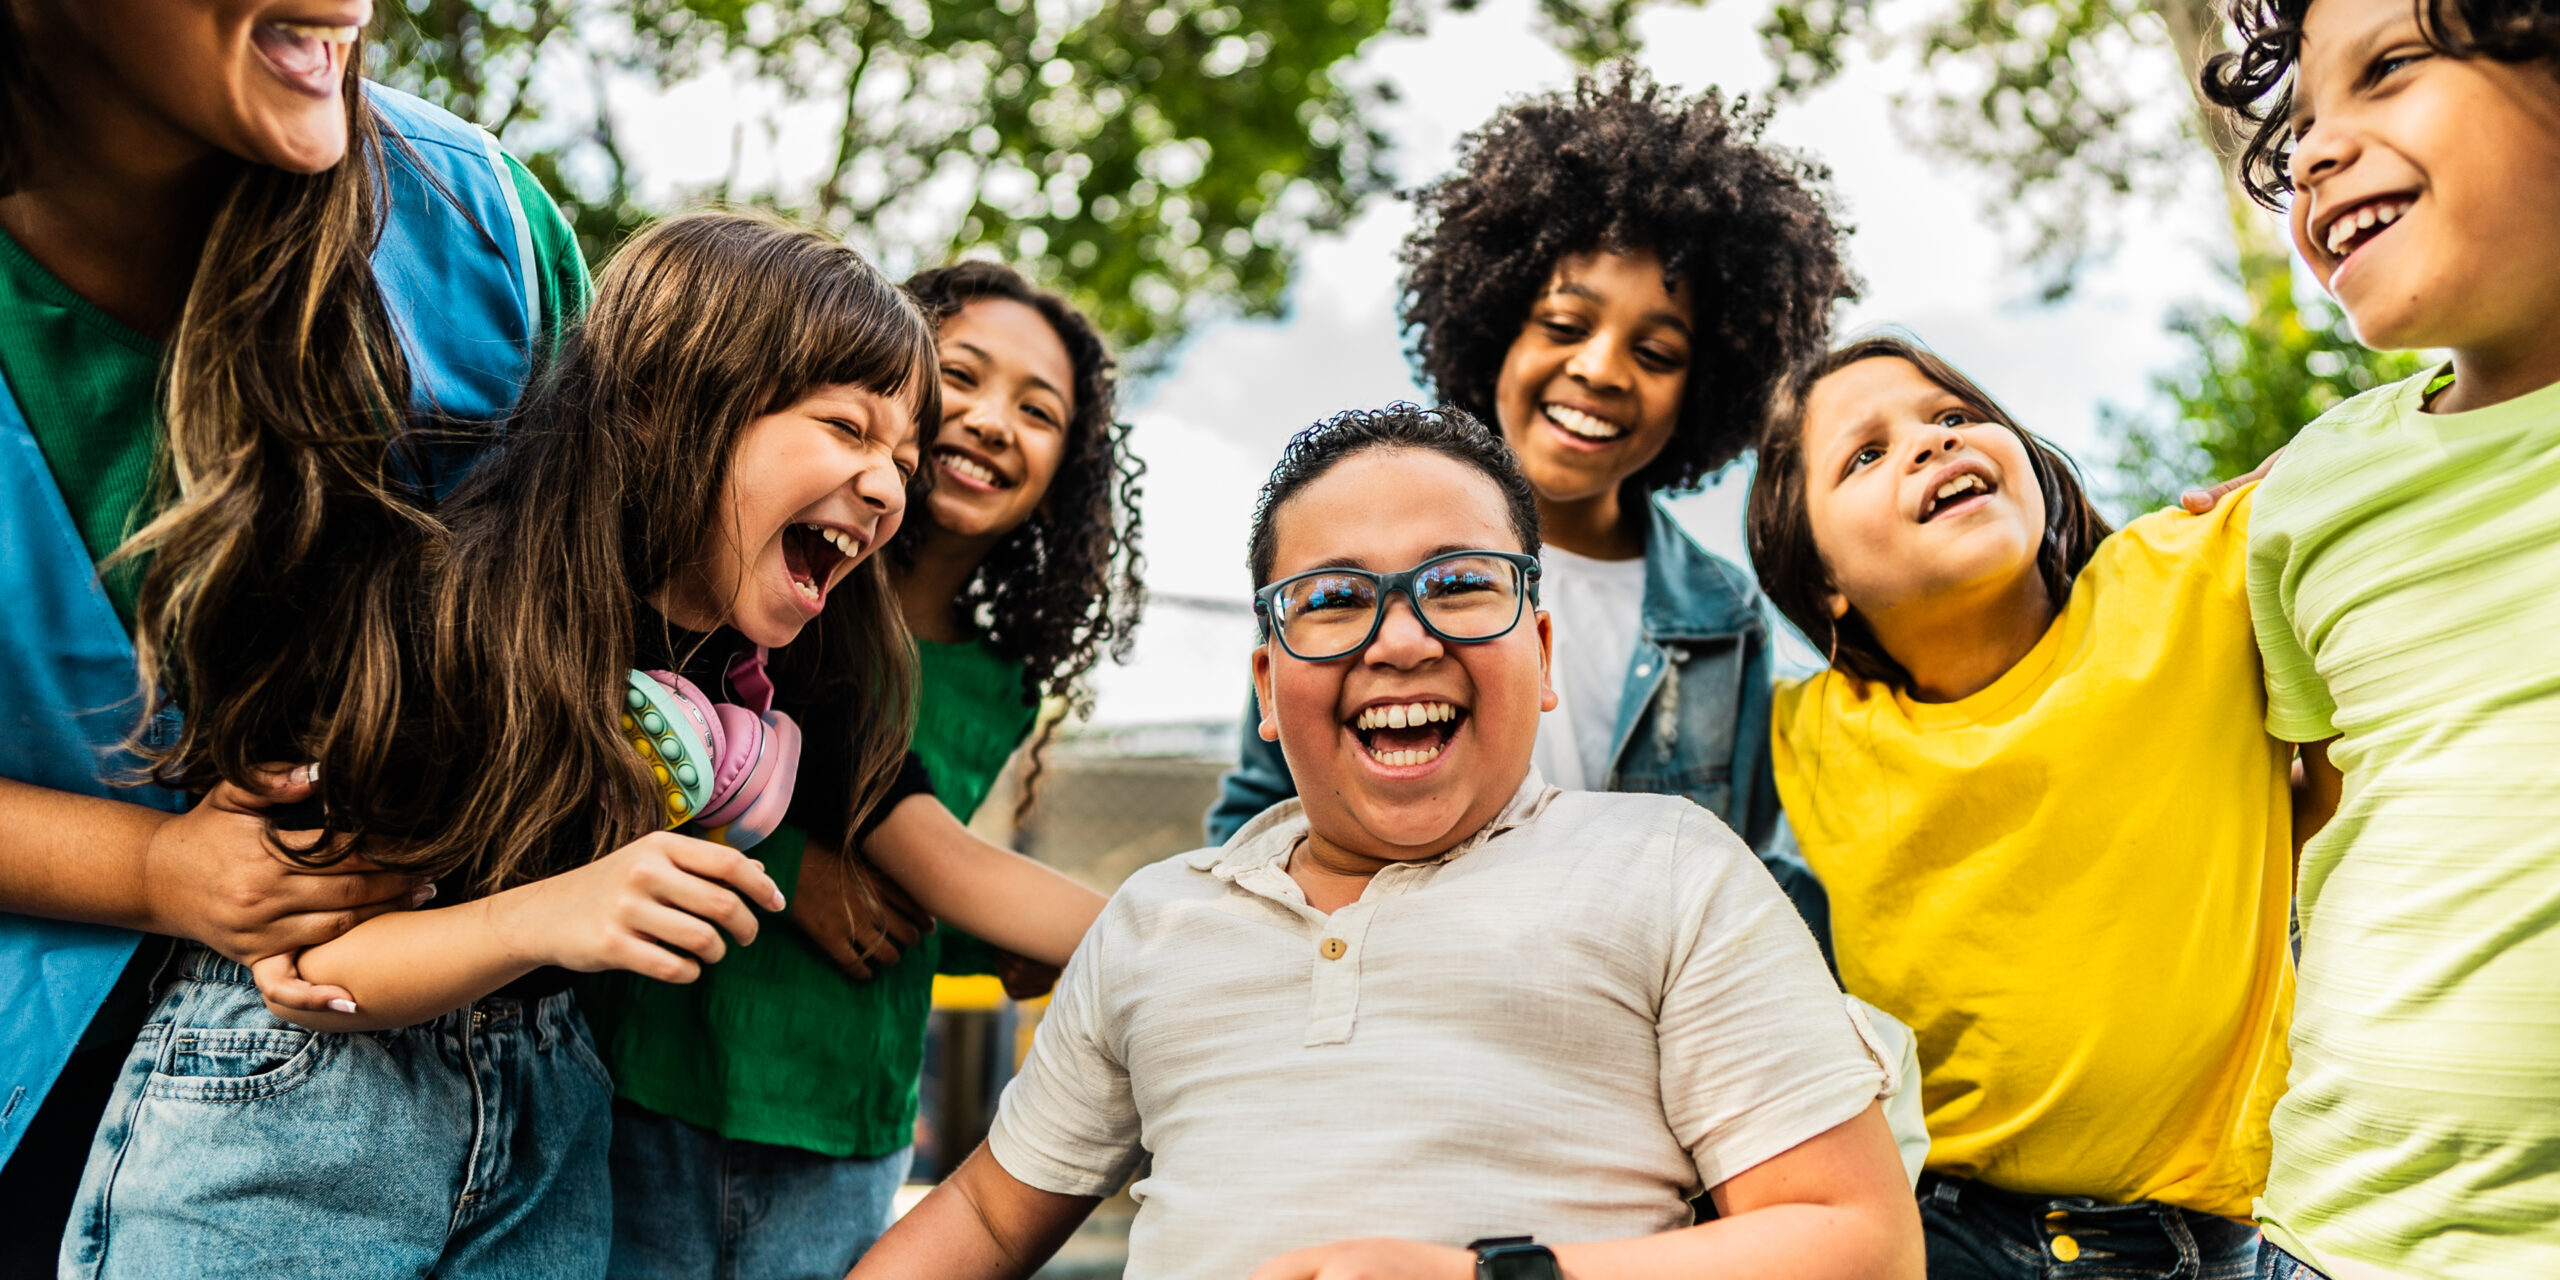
(656,907)
(1371,1260)
(211,874)
(859,917)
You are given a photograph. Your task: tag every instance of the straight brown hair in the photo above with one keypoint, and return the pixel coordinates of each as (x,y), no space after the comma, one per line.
(1779,525)
(488,746)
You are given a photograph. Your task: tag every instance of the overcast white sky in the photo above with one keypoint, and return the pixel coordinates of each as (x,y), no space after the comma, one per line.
(1211,425)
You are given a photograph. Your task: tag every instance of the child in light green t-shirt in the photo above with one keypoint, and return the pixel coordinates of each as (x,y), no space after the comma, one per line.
(2403,557)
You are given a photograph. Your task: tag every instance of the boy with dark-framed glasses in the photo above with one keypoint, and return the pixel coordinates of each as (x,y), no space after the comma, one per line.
(1435,1002)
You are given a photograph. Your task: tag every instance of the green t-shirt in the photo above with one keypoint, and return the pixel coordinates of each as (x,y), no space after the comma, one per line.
(89,385)
(775,1044)
(2404,573)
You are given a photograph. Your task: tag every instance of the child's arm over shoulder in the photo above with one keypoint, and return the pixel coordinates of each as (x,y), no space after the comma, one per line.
(983,889)
(625,910)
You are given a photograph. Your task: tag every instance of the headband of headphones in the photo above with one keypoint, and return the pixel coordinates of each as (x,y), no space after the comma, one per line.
(724,771)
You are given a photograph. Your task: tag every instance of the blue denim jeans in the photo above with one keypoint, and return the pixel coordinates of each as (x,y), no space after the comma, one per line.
(1979,1232)
(689,1204)
(241,1145)
(2276,1264)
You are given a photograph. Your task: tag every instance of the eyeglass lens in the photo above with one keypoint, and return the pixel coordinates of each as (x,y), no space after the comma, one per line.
(1464,598)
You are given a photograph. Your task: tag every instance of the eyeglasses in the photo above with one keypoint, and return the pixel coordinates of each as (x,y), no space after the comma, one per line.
(1462,597)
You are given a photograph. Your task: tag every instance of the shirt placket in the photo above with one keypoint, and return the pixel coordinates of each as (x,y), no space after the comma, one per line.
(1334,985)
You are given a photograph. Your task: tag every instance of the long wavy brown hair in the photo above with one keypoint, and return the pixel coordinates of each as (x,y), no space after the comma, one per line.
(281,384)
(487,743)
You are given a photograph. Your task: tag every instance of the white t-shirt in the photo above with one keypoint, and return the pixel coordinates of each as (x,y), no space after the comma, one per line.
(1598,609)
(1563,1027)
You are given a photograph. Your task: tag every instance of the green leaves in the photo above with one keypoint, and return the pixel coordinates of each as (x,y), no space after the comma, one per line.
(2070,106)
(1151,160)
(2244,386)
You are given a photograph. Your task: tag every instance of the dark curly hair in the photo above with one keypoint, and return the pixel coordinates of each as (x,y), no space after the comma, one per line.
(1618,164)
(2257,83)
(1451,433)
(1779,525)
(1063,589)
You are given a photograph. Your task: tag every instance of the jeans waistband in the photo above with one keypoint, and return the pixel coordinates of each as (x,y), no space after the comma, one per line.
(196,962)
(1949,1190)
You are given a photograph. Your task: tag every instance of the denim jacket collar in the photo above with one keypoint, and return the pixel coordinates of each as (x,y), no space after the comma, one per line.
(1690,595)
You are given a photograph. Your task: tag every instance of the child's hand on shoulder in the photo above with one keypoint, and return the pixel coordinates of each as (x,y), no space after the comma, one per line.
(627,909)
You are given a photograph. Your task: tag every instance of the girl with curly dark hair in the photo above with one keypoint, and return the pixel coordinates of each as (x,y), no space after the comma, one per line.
(1618,277)
(1015,570)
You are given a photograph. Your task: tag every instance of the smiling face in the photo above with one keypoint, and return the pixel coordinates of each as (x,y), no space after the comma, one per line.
(1590,391)
(1008,393)
(1407,747)
(260,79)
(1916,504)
(811,492)
(2424,184)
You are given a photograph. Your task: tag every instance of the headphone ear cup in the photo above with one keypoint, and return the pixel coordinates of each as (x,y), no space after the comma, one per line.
(772,799)
(743,769)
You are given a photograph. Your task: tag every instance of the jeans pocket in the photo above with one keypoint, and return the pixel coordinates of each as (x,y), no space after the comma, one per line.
(581,1044)
(236,1064)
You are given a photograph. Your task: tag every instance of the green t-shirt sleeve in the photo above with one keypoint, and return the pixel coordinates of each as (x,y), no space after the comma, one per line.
(558,267)
(2299,708)
(964,956)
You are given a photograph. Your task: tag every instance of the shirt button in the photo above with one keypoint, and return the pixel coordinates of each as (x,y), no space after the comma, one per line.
(1643,670)
(1333,948)
(2065,1249)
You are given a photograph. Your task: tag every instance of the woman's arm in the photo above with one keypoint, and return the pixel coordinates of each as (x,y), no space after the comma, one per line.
(1835,1207)
(981,888)
(982,1223)
(650,907)
(208,874)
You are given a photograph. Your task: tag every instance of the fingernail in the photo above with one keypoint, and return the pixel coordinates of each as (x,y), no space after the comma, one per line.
(306,773)
(425,894)
(343,1006)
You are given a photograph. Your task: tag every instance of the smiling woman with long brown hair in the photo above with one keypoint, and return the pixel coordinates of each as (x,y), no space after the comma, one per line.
(215,289)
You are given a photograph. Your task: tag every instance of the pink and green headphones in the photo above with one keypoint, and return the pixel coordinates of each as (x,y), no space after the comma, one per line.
(724,770)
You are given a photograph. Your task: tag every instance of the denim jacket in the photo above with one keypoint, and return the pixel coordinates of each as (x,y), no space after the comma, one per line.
(1693,718)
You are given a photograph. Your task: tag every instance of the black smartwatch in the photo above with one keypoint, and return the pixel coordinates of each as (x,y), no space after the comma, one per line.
(1514,1258)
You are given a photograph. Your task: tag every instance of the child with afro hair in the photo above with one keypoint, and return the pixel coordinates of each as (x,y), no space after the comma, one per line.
(1618,277)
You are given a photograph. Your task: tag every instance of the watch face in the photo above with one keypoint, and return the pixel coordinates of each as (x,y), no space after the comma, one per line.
(1518,1262)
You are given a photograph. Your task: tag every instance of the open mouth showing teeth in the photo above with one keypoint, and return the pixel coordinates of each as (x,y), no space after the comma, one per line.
(811,554)
(1954,491)
(2356,226)
(1578,423)
(968,468)
(1407,733)
(307,52)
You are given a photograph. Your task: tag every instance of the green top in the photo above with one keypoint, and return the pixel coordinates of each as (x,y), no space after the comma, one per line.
(775,1044)
(2400,572)
(89,384)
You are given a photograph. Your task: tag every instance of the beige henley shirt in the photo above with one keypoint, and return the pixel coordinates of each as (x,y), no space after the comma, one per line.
(1564,1027)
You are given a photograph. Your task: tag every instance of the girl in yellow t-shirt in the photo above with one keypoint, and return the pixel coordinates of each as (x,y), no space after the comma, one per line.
(2056,835)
